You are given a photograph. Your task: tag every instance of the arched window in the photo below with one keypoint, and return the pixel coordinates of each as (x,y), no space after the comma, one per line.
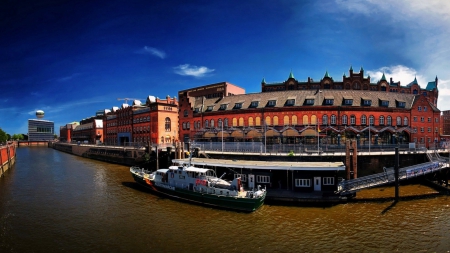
(363,120)
(371,120)
(344,120)
(268,121)
(352,120)
(234,122)
(250,121)
(405,121)
(219,123)
(206,123)
(325,119)
(168,125)
(225,123)
(184,125)
(305,120)
(188,125)
(389,121)
(286,120)
(333,119)
(399,121)
(162,139)
(294,120)
(275,120)
(212,123)
(258,121)
(185,113)
(241,121)
(313,120)
(381,120)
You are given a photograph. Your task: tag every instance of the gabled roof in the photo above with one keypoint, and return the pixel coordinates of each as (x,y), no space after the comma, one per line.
(413,82)
(302,95)
(431,86)
(383,78)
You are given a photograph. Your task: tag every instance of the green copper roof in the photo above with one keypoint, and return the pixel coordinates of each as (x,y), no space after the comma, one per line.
(264,80)
(291,75)
(413,82)
(383,78)
(351,68)
(326,74)
(344,75)
(361,70)
(431,86)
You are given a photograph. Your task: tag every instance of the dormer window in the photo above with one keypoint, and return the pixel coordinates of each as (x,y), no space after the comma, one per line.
(254,104)
(401,104)
(271,103)
(290,102)
(223,106)
(329,101)
(209,108)
(348,101)
(384,103)
(196,110)
(309,101)
(238,106)
(367,102)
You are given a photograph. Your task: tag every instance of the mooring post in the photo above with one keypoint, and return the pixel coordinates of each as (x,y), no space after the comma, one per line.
(396,162)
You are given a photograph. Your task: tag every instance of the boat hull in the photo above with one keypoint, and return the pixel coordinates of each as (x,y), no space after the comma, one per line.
(217,201)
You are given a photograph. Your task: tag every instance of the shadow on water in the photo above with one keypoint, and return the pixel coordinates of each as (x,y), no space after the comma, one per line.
(389,207)
(136,186)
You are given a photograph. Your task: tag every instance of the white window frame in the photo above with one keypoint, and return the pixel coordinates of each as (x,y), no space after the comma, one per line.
(242,176)
(262,179)
(328,180)
(302,182)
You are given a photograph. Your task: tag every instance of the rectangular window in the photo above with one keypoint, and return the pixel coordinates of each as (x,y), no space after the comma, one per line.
(367,102)
(401,104)
(329,101)
(436,130)
(290,102)
(309,101)
(385,103)
(254,104)
(223,106)
(262,179)
(424,108)
(238,105)
(422,119)
(328,181)
(272,103)
(196,110)
(302,182)
(415,118)
(243,177)
(429,129)
(209,108)
(419,108)
(422,130)
(436,120)
(429,119)
(348,101)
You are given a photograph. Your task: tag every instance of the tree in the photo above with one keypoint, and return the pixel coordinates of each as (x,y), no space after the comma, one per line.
(3,136)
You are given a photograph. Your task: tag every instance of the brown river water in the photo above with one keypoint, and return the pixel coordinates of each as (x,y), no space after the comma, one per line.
(55,202)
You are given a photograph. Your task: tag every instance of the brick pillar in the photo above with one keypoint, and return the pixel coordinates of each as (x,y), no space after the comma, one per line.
(347,159)
(355,159)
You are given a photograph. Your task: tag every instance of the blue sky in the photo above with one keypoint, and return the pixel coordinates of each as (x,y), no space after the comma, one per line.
(72,58)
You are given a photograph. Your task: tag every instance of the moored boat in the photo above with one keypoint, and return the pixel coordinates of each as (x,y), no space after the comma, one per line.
(201,186)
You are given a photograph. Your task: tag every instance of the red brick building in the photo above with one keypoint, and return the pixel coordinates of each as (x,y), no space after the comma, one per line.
(156,122)
(65,132)
(303,112)
(187,98)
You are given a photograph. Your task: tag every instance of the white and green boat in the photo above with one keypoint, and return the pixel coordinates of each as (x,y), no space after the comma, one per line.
(200,186)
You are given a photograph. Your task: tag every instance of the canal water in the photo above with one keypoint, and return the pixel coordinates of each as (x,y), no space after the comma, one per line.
(55,202)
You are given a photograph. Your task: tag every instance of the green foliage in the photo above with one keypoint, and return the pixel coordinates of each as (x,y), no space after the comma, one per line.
(17,137)
(3,136)
(291,153)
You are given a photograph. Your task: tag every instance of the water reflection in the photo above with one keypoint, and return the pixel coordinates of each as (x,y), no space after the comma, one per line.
(53,201)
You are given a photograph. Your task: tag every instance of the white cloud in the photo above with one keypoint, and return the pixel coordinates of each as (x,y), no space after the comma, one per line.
(398,73)
(188,70)
(153,51)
